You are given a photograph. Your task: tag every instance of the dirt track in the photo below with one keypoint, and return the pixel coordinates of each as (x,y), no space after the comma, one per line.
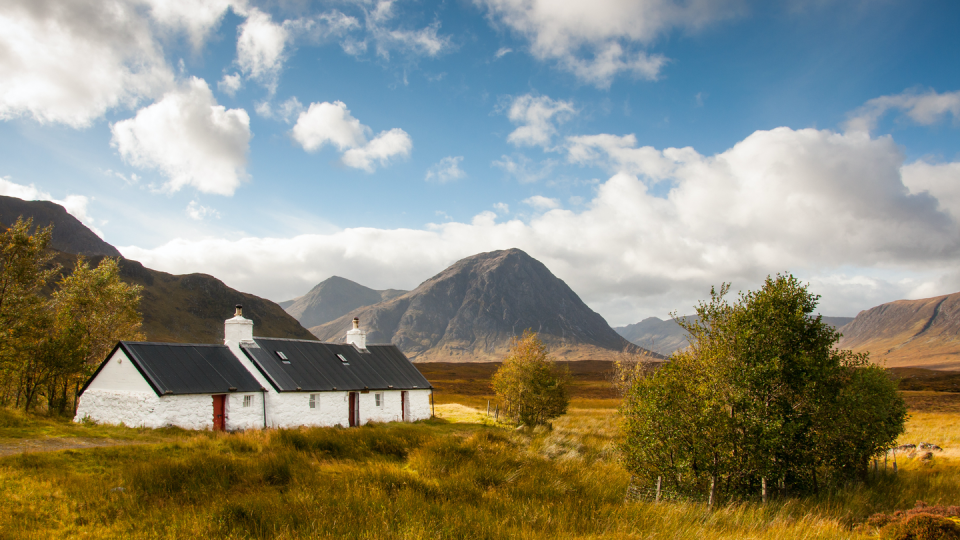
(10,447)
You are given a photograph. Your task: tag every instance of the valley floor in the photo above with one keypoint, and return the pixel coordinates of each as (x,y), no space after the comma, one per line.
(459,476)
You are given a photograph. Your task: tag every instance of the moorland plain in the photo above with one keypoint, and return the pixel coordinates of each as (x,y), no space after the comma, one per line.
(459,476)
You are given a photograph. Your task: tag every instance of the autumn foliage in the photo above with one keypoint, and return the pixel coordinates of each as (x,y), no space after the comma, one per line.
(531,387)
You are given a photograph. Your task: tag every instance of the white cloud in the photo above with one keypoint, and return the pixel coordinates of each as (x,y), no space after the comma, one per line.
(523,169)
(425,41)
(539,202)
(830,207)
(332,123)
(939,180)
(501,52)
(70,62)
(263,45)
(199,212)
(260,48)
(229,84)
(196,17)
(598,40)
(502,208)
(76,205)
(446,170)
(190,139)
(536,116)
(923,108)
(382,149)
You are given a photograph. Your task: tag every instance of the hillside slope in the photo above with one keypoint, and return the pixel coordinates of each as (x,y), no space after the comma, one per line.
(471,311)
(189,308)
(909,333)
(332,298)
(69,234)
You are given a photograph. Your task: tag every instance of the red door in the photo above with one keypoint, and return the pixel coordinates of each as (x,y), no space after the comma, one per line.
(219,418)
(403,406)
(353,410)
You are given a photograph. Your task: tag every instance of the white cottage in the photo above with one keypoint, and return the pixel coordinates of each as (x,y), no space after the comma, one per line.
(253,382)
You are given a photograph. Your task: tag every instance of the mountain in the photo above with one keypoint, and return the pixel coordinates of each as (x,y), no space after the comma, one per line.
(909,333)
(657,335)
(187,309)
(69,234)
(332,298)
(472,310)
(666,336)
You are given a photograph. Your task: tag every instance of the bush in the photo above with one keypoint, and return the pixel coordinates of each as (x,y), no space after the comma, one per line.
(761,398)
(532,388)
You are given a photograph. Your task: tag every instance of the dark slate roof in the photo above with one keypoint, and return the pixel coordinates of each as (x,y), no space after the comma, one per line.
(315,367)
(174,368)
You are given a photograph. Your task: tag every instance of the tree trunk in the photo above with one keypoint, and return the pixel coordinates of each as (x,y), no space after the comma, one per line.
(763,489)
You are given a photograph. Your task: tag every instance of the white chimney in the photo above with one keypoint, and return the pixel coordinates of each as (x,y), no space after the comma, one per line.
(356,336)
(238,328)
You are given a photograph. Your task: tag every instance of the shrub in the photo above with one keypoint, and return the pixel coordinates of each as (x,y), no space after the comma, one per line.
(532,388)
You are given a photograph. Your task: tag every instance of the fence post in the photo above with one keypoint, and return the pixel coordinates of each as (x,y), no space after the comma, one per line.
(763,489)
(659,481)
(488,407)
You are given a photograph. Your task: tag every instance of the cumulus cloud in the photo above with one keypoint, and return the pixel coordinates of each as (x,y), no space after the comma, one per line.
(539,202)
(191,139)
(45,41)
(263,45)
(597,41)
(446,170)
(260,48)
(229,84)
(331,123)
(924,108)
(76,205)
(838,209)
(536,117)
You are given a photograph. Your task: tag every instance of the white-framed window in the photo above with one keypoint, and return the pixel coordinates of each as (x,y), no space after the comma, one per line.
(378,399)
(248,401)
(314,401)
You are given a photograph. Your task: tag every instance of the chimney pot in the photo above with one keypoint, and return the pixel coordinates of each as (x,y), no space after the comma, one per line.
(356,336)
(239,312)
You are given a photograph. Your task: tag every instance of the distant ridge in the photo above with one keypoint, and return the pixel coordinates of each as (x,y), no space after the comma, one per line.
(187,308)
(909,333)
(472,310)
(666,336)
(333,297)
(69,234)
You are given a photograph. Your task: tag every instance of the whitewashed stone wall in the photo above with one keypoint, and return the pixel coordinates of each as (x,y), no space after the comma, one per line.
(240,417)
(146,409)
(419,405)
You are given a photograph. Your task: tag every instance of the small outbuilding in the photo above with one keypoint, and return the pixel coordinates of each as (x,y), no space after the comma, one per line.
(249,383)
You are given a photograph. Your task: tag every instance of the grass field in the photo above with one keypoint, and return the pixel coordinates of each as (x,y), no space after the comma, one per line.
(460,476)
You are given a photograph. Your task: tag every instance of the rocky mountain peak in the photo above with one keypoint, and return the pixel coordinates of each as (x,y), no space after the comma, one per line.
(471,311)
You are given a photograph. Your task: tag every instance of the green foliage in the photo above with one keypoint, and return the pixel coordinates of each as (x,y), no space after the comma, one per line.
(531,387)
(761,396)
(50,345)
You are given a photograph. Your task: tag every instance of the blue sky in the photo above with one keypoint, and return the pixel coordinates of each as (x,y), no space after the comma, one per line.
(643,150)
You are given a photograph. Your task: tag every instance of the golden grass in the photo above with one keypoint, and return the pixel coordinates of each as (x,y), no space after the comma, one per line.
(448,478)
